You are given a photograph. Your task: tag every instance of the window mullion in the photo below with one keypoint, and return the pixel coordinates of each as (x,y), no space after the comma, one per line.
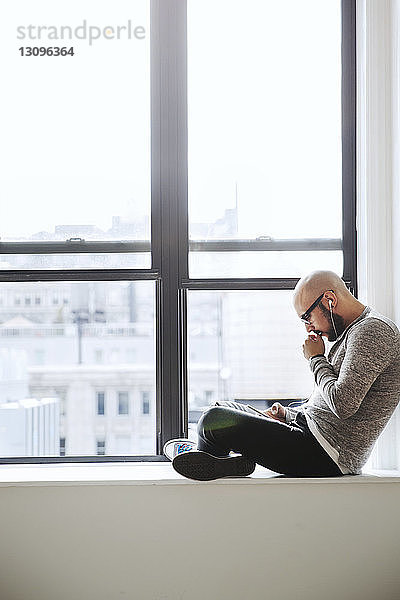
(169,199)
(349,143)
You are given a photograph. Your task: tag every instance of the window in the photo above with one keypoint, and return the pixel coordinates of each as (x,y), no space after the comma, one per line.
(145,403)
(101,447)
(275,116)
(250,350)
(100,403)
(266,117)
(123,403)
(167,238)
(62,446)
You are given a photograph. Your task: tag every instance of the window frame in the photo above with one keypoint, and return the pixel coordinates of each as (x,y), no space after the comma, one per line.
(170,243)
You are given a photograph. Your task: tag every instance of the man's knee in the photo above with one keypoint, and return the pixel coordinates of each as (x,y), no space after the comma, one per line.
(211,415)
(216,417)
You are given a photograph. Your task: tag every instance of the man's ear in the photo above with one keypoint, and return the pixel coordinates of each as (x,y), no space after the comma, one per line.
(331,298)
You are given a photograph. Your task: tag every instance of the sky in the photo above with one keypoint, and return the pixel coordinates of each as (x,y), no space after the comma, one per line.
(263,105)
(75,146)
(264,113)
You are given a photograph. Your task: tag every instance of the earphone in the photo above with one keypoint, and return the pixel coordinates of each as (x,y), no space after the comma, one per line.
(333,322)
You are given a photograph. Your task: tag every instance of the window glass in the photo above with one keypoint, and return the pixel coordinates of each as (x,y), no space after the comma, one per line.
(75,130)
(133,260)
(245,346)
(213,265)
(264,118)
(49,365)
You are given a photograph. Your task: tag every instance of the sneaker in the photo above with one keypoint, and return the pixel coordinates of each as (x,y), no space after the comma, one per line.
(178,446)
(204,467)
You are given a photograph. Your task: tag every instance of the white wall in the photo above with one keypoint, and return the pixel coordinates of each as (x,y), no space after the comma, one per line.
(375,159)
(279,540)
(378,154)
(395,23)
(378,184)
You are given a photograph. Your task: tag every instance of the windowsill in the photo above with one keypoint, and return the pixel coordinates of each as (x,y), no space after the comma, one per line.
(154,473)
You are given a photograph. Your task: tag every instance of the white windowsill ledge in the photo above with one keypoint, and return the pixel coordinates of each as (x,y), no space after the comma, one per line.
(153,473)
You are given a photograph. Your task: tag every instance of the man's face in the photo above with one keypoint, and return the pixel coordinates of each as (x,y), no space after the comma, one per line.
(320,321)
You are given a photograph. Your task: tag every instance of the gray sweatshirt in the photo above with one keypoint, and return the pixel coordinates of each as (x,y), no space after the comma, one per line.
(357,389)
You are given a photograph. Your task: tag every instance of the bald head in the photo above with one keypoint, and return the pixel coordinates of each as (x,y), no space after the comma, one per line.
(316,283)
(337,300)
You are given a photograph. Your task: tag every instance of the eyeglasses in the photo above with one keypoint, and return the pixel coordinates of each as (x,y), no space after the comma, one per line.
(305,317)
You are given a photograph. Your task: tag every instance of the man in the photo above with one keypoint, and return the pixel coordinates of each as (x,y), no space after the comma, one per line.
(357,388)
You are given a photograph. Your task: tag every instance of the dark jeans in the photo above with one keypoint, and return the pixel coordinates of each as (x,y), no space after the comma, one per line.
(287,449)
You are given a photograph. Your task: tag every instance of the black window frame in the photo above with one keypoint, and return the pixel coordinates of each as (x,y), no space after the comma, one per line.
(169,222)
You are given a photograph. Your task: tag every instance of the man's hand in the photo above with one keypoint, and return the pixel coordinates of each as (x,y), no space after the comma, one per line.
(313,345)
(277,411)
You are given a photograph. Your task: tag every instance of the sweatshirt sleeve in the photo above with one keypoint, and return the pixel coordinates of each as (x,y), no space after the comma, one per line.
(290,414)
(370,349)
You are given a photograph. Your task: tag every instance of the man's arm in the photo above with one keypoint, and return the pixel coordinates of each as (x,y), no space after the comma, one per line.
(370,349)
